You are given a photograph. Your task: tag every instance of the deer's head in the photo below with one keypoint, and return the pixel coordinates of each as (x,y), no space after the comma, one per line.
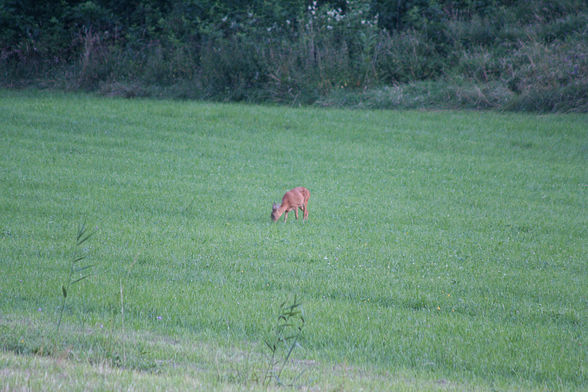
(275,214)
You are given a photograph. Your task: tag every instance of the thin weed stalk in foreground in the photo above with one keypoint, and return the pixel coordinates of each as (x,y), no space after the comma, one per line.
(122,304)
(283,339)
(75,268)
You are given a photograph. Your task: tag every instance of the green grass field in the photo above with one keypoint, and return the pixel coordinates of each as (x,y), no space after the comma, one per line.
(444,250)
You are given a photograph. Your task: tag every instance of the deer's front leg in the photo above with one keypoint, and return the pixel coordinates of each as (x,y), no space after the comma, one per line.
(285,216)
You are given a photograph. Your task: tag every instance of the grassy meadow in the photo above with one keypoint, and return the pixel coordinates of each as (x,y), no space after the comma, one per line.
(444,250)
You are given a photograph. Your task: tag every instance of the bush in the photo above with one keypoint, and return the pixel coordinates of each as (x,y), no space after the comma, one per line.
(413,53)
(409,56)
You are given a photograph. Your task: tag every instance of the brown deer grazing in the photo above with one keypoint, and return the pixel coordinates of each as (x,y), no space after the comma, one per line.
(293,200)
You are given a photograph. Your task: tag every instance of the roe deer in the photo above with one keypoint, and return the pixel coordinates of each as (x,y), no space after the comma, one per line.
(293,200)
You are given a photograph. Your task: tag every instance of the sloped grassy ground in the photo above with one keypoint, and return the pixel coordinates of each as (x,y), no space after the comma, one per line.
(444,250)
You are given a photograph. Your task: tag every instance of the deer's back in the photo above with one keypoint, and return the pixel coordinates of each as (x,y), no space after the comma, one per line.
(296,197)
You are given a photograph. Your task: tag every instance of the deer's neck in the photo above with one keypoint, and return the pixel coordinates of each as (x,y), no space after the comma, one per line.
(281,209)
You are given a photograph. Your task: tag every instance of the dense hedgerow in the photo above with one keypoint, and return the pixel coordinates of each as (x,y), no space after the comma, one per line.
(492,54)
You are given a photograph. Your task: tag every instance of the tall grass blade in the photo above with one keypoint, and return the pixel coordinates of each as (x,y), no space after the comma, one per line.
(81,237)
(79,279)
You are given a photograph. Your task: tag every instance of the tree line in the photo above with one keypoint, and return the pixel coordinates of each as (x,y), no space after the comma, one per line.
(505,54)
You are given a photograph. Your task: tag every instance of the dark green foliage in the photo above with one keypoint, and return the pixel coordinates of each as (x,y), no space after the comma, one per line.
(299,51)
